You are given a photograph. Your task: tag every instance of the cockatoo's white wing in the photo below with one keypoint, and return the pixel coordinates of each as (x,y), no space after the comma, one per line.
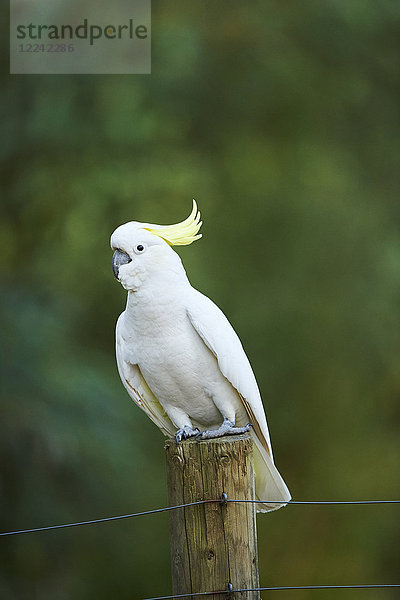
(218,334)
(138,389)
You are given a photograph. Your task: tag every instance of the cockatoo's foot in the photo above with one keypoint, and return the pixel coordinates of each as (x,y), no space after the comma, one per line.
(184,433)
(227,428)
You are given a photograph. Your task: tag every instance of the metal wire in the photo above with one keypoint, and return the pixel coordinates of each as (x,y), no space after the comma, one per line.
(139,514)
(318,501)
(286,588)
(223,500)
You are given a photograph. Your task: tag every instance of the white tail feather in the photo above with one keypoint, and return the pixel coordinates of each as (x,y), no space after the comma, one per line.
(268,481)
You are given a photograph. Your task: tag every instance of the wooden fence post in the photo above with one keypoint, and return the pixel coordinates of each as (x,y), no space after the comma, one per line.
(212,545)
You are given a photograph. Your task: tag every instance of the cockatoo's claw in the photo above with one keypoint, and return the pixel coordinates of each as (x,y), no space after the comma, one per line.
(227,428)
(185,432)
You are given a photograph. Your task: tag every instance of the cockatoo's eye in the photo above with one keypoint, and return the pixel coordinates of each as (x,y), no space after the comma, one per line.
(139,248)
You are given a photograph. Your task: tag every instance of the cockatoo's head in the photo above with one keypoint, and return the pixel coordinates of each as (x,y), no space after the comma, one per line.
(142,250)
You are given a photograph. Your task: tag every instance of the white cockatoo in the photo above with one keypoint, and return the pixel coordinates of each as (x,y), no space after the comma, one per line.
(179,357)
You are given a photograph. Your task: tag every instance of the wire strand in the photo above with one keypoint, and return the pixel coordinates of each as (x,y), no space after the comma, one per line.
(128,516)
(218,501)
(280,588)
(322,502)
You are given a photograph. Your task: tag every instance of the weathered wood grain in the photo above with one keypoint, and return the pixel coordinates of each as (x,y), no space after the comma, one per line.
(215,544)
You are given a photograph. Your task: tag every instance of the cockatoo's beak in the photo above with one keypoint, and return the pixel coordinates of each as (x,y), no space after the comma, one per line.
(119,258)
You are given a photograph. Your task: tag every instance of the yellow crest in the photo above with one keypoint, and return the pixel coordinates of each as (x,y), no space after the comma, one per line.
(181,234)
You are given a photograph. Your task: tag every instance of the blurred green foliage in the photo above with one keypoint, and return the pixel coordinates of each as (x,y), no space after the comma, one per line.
(282,120)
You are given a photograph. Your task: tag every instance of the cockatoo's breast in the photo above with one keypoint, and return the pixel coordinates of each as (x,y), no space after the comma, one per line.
(176,364)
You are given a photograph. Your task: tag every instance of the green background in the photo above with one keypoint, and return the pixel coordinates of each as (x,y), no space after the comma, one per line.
(282,120)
